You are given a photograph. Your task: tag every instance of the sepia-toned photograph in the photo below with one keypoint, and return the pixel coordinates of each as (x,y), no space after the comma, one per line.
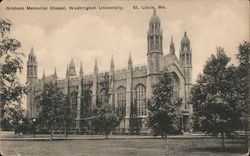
(124,78)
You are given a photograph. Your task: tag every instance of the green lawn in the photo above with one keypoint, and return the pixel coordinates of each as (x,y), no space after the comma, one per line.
(177,147)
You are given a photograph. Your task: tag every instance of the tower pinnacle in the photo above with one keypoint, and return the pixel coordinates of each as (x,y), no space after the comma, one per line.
(112,62)
(172,47)
(130,58)
(96,66)
(55,73)
(81,70)
(72,70)
(44,74)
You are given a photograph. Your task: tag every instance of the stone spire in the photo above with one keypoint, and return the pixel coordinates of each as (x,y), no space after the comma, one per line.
(155,18)
(185,42)
(44,74)
(111,83)
(130,59)
(81,70)
(112,69)
(95,85)
(112,62)
(67,71)
(32,65)
(72,70)
(96,66)
(55,73)
(172,47)
(128,92)
(32,55)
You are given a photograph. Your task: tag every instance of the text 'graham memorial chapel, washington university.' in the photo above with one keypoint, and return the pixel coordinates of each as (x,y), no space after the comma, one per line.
(128,88)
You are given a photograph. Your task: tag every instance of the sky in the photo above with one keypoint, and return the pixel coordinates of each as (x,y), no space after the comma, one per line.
(58,36)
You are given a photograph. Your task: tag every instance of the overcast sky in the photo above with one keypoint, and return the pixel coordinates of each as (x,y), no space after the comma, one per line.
(58,36)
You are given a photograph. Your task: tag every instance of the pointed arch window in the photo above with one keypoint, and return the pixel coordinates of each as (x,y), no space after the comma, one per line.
(31,70)
(37,104)
(86,104)
(102,98)
(152,42)
(156,42)
(140,100)
(121,101)
(175,85)
(73,103)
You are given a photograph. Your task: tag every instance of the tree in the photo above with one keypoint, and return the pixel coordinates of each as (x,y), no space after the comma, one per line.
(105,119)
(120,112)
(216,97)
(11,64)
(135,125)
(66,116)
(163,108)
(52,101)
(12,116)
(242,73)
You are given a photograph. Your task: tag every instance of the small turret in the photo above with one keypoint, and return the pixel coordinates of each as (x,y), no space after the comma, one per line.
(32,65)
(186,51)
(155,35)
(185,42)
(130,60)
(172,47)
(55,73)
(81,70)
(44,74)
(112,62)
(96,66)
(67,71)
(72,70)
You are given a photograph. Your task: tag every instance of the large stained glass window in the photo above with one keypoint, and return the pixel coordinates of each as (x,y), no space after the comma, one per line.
(121,101)
(140,99)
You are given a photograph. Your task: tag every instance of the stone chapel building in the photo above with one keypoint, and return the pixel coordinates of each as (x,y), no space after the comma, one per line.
(128,88)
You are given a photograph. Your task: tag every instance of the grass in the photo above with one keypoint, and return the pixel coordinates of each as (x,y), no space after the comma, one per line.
(125,147)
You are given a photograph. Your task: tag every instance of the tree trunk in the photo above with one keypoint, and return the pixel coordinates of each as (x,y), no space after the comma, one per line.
(66,130)
(247,143)
(52,133)
(223,140)
(166,142)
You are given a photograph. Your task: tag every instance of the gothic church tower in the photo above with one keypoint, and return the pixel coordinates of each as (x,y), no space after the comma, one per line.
(31,79)
(154,54)
(186,60)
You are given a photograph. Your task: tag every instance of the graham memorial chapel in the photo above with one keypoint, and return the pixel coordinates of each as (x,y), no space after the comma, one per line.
(128,88)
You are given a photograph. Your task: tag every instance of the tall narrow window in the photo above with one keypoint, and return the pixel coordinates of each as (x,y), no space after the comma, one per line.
(121,102)
(102,98)
(151,43)
(176,86)
(73,102)
(87,103)
(140,99)
(156,42)
(37,104)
